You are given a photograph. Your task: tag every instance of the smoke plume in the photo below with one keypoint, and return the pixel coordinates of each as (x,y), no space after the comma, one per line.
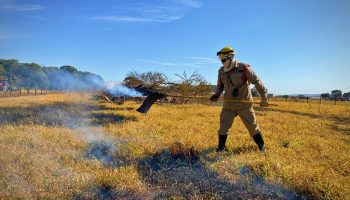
(120,90)
(100,146)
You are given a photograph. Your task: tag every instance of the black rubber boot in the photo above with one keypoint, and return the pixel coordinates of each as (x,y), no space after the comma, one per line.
(258,139)
(222,142)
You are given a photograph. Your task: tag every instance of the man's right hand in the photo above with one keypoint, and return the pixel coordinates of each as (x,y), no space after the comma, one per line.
(214,97)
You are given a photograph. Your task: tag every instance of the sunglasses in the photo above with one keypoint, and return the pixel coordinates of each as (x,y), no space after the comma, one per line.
(224,57)
(219,52)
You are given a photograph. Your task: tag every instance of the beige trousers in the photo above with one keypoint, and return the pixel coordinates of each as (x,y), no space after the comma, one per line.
(247,116)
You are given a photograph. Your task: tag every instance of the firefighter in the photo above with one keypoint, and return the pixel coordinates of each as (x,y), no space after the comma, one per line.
(234,79)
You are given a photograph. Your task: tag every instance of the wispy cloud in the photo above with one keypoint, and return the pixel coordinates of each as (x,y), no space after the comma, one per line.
(160,63)
(40,18)
(14,6)
(137,19)
(5,33)
(204,60)
(189,3)
(190,62)
(172,11)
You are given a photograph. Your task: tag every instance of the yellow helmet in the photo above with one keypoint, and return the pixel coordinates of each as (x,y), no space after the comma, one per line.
(226,52)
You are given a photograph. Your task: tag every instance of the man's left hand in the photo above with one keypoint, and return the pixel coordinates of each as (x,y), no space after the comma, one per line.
(214,97)
(264,102)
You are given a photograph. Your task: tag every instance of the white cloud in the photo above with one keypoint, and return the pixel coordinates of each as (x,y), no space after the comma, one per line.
(160,63)
(137,19)
(31,7)
(189,3)
(12,5)
(162,13)
(204,60)
(158,14)
(191,62)
(149,12)
(4,34)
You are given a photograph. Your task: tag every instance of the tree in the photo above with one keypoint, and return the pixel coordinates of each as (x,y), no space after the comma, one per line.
(325,95)
(194,84)
(9,64)
(38,80)
(2,70)
(148,79)
(301,96)
(132,81)
(194,79)
(91,80)
(69,69)
(346,95)
(33,66)
(186,83)
(336,93)
(203,88)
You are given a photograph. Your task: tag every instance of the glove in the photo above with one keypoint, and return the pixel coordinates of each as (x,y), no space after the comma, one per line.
(264,102)
(215,97)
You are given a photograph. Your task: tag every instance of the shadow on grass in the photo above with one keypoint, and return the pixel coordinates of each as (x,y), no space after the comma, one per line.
(69,115)
(106,192)
(104,118)
(105,107)
(183,173)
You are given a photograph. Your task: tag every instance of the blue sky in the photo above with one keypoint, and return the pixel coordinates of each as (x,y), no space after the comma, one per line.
(295,46)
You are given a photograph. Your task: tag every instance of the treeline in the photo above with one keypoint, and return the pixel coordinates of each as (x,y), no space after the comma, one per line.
(336,94)
(32,75)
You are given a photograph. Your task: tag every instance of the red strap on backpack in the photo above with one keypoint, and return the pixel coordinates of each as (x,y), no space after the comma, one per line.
(244,75)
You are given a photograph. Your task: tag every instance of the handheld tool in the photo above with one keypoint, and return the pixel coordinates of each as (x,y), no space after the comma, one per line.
(152,98)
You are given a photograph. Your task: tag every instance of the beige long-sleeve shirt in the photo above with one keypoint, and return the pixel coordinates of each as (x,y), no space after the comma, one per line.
(244,93)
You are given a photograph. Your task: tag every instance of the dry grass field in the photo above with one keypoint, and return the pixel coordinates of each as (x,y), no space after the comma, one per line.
(67,146)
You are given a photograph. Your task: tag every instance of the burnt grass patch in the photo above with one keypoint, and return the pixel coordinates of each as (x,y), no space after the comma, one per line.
(106,118)
(108,108)
(259,184)
(180,171)
(103,151)
(53,114)
(175,156)
(106,192)
(58,114)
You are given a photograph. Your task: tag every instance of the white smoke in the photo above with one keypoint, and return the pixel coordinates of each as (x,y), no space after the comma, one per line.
(100,145)
(120,90)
